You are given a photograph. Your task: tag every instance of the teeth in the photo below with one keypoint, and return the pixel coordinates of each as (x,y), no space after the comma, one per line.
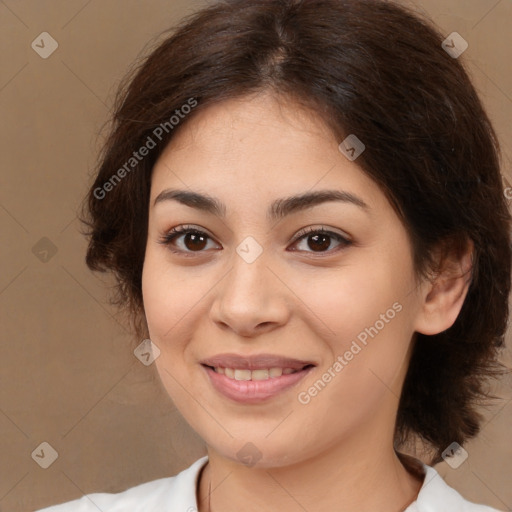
(243,374)
(275,372)
(256,374)
(261,374)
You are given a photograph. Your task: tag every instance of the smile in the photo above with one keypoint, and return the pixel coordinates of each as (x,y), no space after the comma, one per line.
(260,374)
(246,386)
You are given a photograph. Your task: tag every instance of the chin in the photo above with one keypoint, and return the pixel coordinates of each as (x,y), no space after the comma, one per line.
(260,455)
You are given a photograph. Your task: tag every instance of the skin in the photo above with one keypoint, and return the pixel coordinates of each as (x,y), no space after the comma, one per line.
(335,452)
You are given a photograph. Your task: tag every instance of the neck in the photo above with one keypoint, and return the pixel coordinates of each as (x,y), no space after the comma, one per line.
(361,481)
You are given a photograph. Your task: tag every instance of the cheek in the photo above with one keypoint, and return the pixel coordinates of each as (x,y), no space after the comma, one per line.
(169,307)
(364,312)
(169,297)
(345,301)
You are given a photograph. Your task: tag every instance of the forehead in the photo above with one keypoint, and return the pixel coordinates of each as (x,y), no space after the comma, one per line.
(258,145)
(257,121)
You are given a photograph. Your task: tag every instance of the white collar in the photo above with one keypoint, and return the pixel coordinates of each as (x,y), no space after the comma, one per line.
(435,494)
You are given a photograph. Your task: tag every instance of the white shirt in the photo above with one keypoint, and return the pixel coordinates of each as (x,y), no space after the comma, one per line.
(178,494)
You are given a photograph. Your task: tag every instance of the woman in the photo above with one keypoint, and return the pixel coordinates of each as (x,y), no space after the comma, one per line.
(302,205)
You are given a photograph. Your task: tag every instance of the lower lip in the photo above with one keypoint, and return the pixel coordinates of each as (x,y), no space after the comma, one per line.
(253,391)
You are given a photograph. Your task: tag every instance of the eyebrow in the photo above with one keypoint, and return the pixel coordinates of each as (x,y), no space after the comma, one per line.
(279,209)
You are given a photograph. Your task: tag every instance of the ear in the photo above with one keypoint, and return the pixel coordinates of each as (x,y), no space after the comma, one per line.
(443,296)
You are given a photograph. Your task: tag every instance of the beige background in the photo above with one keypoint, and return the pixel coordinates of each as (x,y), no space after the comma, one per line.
(68,373)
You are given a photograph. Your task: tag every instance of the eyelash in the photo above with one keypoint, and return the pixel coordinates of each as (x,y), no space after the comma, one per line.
(174,233)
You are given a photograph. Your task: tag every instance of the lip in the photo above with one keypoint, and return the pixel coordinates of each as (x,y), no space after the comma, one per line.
(255,362)
(253,392)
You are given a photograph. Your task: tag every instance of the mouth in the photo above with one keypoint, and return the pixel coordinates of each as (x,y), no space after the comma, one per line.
(243,374)
(254,386)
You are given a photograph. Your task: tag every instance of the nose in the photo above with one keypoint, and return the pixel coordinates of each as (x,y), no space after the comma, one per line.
(251,299)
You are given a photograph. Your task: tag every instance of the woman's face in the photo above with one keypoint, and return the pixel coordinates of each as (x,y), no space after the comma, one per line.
(257,282)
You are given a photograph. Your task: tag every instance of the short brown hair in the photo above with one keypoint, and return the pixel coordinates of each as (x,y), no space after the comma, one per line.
(370,68)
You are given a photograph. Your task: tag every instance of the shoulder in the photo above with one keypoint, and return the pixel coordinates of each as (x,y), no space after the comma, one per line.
(437,496)
(164,493)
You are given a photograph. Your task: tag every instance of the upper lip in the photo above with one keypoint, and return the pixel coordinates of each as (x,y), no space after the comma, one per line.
(255,362)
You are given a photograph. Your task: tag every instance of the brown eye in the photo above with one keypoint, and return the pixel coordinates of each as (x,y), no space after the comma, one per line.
(192,240)
(320,240)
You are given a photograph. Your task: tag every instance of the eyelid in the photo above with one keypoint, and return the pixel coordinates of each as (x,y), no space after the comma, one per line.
(344,241)
(321,229)
(170,235)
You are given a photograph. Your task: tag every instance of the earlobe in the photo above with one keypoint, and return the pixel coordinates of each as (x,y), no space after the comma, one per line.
(442,297)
